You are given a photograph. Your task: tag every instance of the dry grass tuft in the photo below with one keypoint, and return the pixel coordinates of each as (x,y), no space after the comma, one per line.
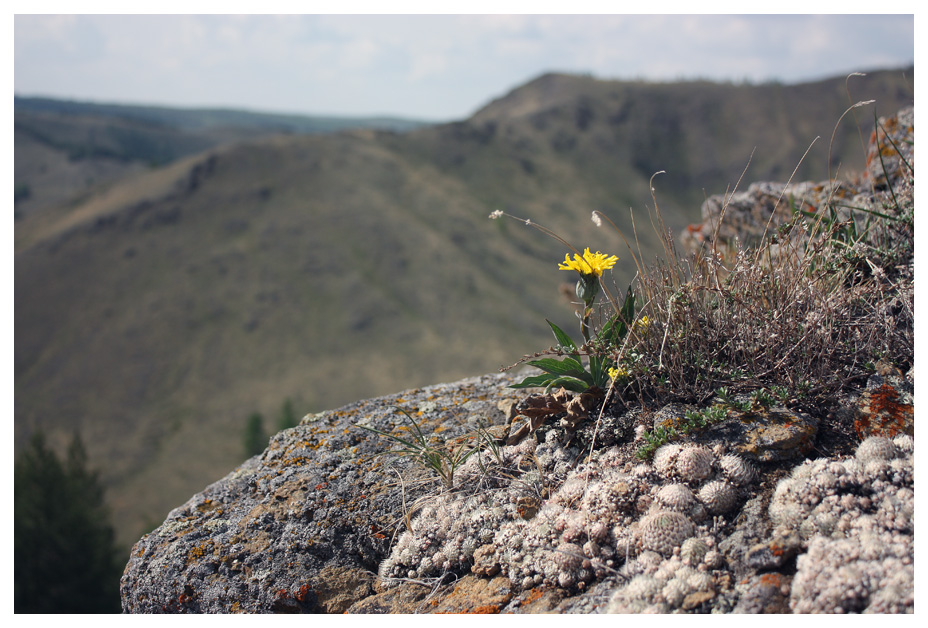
(811,308)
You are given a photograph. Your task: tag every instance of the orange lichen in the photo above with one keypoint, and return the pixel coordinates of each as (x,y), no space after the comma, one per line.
(200,551)
(377,532)
(881,414)
(777,550)
(533,596)
(488,609)
(304,592)
(772,579)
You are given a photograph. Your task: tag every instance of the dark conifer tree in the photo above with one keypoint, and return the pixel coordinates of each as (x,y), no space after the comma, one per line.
(255,438)
(287,416)
(64,554)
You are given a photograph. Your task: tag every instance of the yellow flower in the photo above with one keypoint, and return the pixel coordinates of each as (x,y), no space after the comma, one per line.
(641,325)
(589,264)
(615,373)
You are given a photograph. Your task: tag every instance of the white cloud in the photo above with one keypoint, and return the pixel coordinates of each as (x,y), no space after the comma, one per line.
(431,66)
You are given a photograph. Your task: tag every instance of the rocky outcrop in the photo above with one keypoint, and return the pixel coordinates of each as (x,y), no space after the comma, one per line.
(785,508)
(758,210)
(323,521)
(321,500)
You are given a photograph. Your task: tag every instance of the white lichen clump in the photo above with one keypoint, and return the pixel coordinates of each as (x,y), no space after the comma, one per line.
(694,463)
(719,496)
(659,586)
(676,497)
(738,470)
(856,517)
(665,531)
(598,518)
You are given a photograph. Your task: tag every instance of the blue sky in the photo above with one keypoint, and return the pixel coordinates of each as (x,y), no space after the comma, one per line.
(434,67)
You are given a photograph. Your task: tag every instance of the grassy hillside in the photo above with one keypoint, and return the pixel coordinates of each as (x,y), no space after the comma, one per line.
(66,148)
(156,312)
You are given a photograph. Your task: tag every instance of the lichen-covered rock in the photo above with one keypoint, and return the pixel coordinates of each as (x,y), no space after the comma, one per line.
(317,523)
(776,434)
(767,593)
(886,408)
(891,150)
(322,496)
(286,532)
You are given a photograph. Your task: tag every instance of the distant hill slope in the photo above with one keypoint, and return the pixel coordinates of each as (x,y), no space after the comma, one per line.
(64,148)
(198,119)
(158,310)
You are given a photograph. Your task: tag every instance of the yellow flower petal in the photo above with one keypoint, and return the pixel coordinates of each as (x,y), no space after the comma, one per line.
(641,324)
(590,263)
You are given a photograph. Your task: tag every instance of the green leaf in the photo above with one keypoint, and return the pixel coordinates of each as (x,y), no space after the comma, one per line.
(568,366)
(562,338)
(613,331)
(420,436)
(607,333)
(628,308)
(409,446)
(617,327)
(596,371)
(535,381)
(569,383)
